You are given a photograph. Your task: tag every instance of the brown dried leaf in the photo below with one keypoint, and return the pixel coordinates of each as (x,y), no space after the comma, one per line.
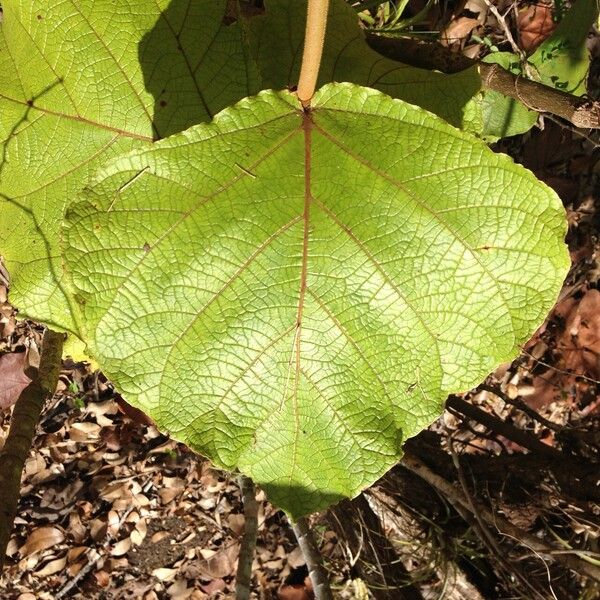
(164,574)
(41,539)
(121,547)
(12,377)
(102,577)
(294,592)
(220,564)
(458,30)
(54,566)
(295,558)
(535,24)
(236,523)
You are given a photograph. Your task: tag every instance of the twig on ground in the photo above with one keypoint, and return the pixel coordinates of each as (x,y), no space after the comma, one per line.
(371,552)
(487,537)
(518,403)
(25,417)
(314,561)
(243,578)
(499,426)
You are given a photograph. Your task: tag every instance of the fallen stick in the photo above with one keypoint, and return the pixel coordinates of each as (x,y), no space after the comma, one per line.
(25,417)
(455,496)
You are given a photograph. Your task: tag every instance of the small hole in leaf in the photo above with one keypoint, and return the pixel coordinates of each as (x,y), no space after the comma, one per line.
(163,103)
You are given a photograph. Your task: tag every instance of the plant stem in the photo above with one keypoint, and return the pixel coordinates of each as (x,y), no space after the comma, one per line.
(314,37)
(314,561)
(25,417)
(243,577)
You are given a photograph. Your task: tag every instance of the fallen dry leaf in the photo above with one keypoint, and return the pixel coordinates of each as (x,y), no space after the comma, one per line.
(121,547)
(54,566)
(296,558)
(41,539)
(12,377)
(164,574)
(535,24)
(297,591)
(216,585)
(102,577)
(458,30)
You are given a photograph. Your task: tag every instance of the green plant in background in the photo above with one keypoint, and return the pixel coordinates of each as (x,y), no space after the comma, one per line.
(292,289)
(562,61)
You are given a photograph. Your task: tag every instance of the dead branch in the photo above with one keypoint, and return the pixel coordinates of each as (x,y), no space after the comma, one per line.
(25,417)
(499,426)
(243,578)
(374,557)
(455,496)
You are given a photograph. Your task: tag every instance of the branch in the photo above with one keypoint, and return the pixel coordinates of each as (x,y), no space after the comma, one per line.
(314,38)
(26,414)
(314,561)
(497,425)
(243,577)
(580,112)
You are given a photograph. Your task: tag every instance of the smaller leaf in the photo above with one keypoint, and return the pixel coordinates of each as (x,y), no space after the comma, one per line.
(504,116)
(563,61)
(12,377)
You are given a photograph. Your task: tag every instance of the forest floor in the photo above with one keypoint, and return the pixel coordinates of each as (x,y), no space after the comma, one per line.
(113,509)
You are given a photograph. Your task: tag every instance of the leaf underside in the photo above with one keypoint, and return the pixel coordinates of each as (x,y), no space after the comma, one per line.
(84,81)
(295,294)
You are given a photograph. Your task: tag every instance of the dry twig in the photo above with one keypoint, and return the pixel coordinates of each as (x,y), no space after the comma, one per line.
(244,569)
(25,417)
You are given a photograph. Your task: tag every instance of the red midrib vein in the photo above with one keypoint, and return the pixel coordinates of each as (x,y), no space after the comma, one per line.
(307,126)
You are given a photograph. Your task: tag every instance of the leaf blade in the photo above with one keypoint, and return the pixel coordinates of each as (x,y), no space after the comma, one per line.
(278,319)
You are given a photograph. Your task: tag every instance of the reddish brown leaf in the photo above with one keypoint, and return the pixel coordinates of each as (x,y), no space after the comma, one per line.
(12,377)
(458,30)
(535,24)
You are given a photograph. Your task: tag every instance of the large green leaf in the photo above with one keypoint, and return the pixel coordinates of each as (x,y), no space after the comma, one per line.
(277,40)
(295,294)
(81,82)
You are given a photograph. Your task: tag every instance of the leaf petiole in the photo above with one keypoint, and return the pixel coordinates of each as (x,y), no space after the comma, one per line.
(314,37)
